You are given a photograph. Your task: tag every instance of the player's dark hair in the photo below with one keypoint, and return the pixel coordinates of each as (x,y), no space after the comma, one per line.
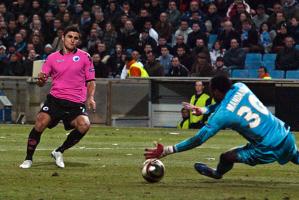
(221,83)
(71,29)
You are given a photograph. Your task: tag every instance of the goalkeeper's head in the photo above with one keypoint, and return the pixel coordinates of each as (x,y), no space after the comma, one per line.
(219,86)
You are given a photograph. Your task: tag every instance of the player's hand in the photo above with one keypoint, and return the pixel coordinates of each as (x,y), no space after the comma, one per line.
(91,104)
(158,152)
(41,79)
(195,110)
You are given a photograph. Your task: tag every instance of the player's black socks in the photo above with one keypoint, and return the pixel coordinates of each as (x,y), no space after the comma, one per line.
(73,138)
(33,140)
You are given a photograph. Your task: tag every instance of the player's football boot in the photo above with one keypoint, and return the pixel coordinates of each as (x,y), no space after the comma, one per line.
(26,164)
(58,158)
(203,169)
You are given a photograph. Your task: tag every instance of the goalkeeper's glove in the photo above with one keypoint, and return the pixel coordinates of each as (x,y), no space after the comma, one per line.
(159,151)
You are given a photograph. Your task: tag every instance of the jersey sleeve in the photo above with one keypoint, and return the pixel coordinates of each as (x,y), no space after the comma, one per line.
(47,66)
(216,122)
(89,69)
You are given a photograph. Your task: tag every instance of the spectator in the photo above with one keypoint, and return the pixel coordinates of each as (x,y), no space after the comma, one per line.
(126,9)
(152,66)
(236,8)
(180,43)
(196,34)
(282,33)
(128,37)
(291,8)
(101,69)
(165,59)
(161,43)
(250,38)
(202,66)
(37,43)
(177,69)
(140,20)
(220,68)
(22,21)
(234,58)
(152,32)
(194,13)
(6,14)
(112,12)
(265,37)
(216,52)
(66,19)
(213,18)
(57,42)
(155,10)
(47,51)
(288,57)
(185,59)
(227,34)
(263,73)
(260,16)
(3,59)
(174,14)
(277,8)
(144,39)
(200,47)
(293,29)
(183,30)
(48,27)
(92,39)
(28,62)
(200,99)
(20,44)
(116,61)
(185,123)
(110,36)
(163,27)
(15,66)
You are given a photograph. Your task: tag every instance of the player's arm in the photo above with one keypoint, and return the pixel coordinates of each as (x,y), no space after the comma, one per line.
(42,77)
(200,110)
(91,87)
(214,124)
(90,83)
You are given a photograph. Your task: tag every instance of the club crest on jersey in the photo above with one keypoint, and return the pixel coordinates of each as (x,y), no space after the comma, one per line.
(76,58)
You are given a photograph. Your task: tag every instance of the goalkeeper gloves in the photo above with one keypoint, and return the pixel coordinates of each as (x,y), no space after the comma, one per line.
(159,151)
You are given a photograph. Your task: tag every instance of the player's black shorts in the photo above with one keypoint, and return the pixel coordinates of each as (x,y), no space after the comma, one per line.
(60,109)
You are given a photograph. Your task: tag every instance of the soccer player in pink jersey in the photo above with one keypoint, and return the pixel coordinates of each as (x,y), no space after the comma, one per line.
(73,87)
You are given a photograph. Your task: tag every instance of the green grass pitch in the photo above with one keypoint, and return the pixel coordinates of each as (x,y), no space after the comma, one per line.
(106,164)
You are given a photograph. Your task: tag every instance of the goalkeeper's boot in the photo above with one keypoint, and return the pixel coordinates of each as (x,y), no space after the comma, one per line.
(26,164)
(203,169)
(58,158)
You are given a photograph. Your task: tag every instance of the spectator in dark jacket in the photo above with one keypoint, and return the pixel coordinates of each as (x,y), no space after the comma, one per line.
(288,57)
(129,36)
(234,58)
(152,66)
(196,34)
(227,34)
(177,69)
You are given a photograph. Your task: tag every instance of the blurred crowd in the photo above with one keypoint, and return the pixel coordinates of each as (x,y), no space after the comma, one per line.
(167,37)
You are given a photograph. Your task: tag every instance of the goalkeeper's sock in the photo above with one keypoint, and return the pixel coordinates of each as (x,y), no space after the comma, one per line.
(73,138)
(33,141)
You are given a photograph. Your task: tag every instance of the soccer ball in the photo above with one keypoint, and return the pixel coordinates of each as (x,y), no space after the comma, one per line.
(153,170)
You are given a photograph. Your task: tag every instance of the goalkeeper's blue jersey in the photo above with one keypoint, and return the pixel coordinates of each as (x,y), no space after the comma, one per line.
(241,111)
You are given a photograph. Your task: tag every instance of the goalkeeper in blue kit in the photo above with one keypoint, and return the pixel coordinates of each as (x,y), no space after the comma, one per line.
(239,109)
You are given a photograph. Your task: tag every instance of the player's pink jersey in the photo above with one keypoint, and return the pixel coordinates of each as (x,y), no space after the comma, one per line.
(69,73)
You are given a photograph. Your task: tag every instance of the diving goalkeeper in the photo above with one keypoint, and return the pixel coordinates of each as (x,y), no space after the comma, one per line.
(237,108)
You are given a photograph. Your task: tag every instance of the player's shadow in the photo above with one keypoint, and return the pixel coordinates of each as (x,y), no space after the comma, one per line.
(50,165)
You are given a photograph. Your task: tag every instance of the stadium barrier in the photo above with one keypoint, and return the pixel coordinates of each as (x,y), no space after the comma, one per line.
(154,102)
